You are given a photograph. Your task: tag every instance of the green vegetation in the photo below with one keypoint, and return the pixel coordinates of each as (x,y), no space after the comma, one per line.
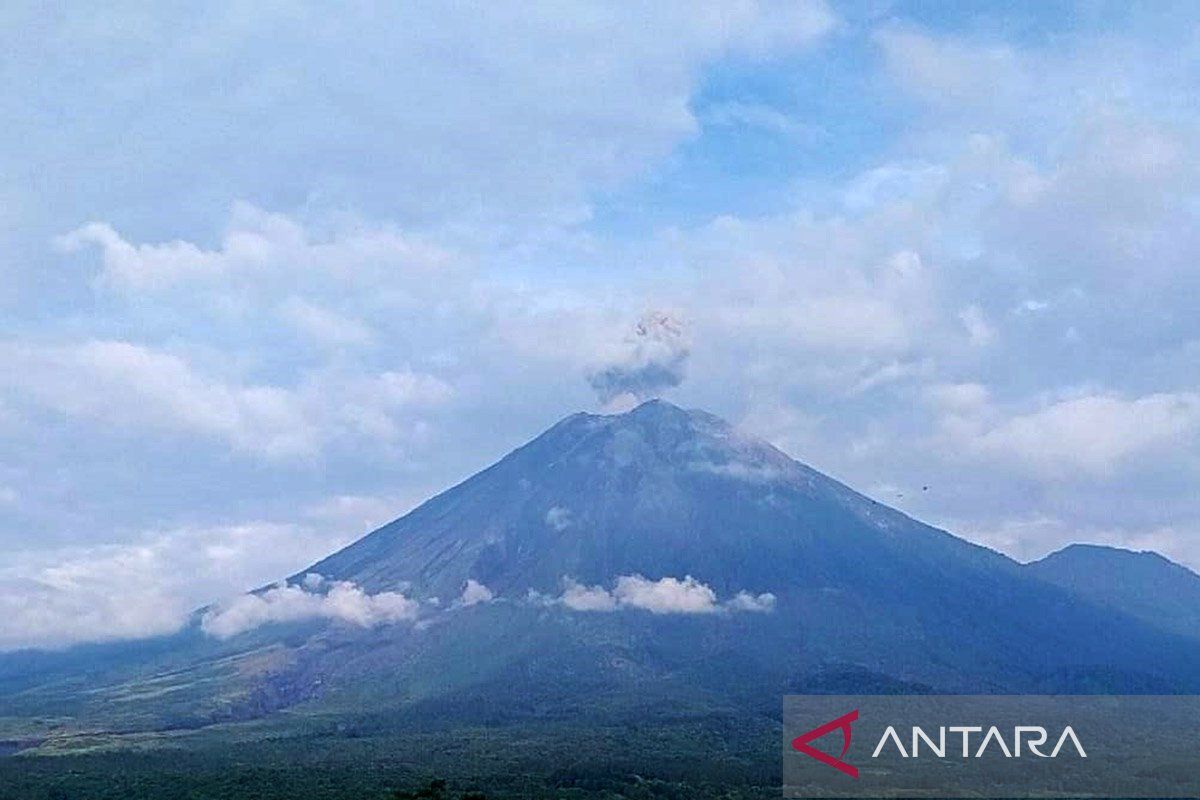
(685,759)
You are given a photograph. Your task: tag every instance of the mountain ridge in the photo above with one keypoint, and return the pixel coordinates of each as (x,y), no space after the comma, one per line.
(1143,584)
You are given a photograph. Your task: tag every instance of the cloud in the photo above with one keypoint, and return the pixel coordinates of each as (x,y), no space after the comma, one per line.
(601,102)
(578,597)
(342,601)
(1094,434)
(958,397)
(760,117)
(323,325)
(758,603)
(651,359)
(261,251)
(129,385)
(558,518)
(978,328)
(149,586)
(475,593)
(135,387)
(952,72)
(666,595)
(1037,533)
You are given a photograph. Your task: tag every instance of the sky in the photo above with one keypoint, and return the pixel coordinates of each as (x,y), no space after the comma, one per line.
(270,276)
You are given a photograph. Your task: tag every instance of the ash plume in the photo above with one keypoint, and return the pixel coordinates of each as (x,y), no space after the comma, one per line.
(652,358)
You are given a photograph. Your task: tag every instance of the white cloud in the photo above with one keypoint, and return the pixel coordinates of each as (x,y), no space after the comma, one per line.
(558,518)
(758,603)
(475,593)
(342,601)
(267,250)
(666,595)
(135,387)
(144,266)
(572,98)
(761,117)
(578,597)
(147,587)
(979,330)
(952,72)
(958,397)
(323,325)
(132,386)
(1095,434)
(1082,436)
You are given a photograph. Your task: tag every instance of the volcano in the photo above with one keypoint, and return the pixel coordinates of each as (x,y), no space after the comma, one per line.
(656,561)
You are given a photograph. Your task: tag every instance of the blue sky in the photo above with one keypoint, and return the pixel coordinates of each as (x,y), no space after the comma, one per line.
(270,277)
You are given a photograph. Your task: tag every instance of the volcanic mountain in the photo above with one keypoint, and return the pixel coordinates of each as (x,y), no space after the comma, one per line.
(657,560)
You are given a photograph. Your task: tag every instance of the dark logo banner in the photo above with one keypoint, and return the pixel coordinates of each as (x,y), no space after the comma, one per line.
(1011,746)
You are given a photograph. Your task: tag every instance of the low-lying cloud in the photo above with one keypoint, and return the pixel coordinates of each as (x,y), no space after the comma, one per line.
(475,593)
(667,595)
(341,601)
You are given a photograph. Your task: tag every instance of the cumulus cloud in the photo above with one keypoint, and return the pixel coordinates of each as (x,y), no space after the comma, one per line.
(578,597)
(652,358)
(667,595)
(744,601)
(475,593)
(342,601)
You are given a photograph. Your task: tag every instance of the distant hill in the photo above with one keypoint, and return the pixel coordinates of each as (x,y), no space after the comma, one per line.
(1143,585)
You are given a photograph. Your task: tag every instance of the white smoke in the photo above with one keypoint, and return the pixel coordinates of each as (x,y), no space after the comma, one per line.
(343,601)
(651,358)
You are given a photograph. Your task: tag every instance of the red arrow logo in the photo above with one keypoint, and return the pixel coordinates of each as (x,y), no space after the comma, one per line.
(843,722)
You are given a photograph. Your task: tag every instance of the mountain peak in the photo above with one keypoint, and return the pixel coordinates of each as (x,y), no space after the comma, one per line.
(655,407)
(1099,553)
(657,490)
(657,411)
(657,436)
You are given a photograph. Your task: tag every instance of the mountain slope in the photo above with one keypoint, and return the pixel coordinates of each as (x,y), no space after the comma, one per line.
(1143,585)
(663,492)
